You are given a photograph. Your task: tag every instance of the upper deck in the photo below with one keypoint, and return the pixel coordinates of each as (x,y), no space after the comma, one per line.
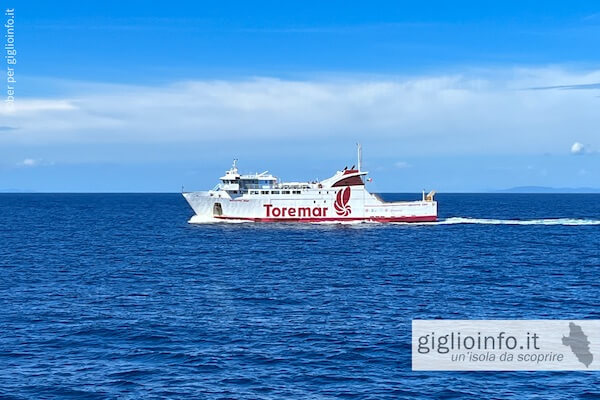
(236,184)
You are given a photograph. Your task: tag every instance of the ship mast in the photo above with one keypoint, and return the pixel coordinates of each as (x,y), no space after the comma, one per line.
(359,150)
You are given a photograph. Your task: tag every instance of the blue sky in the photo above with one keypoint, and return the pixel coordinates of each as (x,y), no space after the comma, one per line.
(457,96)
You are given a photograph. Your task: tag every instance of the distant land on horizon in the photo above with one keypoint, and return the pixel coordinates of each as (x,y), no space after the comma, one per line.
(12,190)
(546,189)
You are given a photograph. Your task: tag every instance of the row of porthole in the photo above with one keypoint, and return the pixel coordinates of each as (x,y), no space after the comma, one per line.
(275,192)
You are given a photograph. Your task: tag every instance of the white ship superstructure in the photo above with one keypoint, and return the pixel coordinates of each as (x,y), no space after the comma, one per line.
(340,198)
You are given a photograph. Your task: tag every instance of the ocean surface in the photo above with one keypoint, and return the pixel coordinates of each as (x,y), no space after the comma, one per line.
(117,296)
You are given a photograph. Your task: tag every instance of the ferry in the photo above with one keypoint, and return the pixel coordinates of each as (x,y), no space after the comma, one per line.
(261,197)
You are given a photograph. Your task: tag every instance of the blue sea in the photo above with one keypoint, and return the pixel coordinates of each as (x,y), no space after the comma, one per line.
(108,296)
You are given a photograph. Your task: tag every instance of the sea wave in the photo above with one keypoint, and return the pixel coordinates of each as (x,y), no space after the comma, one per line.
(542,221)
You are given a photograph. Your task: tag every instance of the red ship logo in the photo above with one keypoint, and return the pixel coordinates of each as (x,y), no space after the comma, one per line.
(341,202)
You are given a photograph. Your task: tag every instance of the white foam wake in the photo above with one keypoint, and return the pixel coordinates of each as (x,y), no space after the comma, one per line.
(200,219)
(543,221)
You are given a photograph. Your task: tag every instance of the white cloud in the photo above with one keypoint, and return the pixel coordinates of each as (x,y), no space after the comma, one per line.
(28,162)
(577,148)
(32,106)
(470,113)
(34,162)
(402,164)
